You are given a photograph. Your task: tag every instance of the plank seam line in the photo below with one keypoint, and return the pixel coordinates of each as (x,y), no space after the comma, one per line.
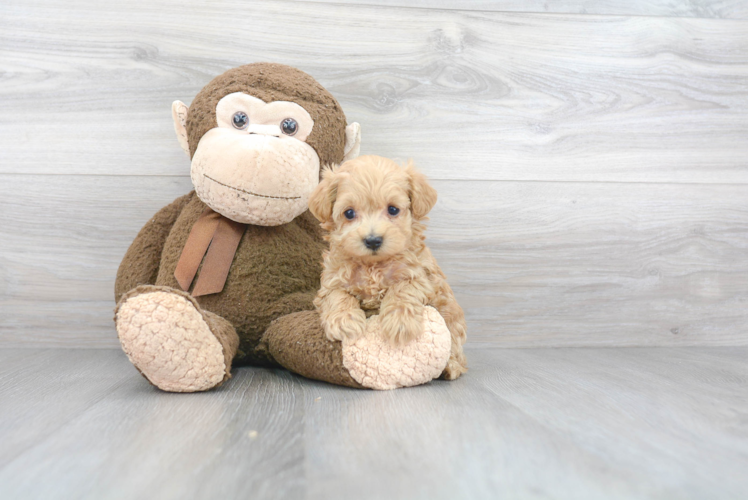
(431,178)
(510,12)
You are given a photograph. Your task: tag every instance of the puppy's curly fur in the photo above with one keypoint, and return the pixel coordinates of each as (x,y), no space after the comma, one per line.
(373,211)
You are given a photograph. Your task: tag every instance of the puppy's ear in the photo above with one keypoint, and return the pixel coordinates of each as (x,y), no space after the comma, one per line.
(323,197)
(422,195)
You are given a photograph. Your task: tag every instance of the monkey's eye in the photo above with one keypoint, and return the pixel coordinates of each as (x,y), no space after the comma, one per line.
(393,211)
(289,126)
(240,120)
(349,214)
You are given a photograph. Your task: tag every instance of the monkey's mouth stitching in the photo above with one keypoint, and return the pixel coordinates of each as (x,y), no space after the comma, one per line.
(250,192)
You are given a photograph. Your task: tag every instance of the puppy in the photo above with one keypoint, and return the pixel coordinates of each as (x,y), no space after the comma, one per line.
(373,211)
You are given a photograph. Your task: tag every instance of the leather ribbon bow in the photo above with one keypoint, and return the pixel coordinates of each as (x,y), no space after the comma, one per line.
(217,235)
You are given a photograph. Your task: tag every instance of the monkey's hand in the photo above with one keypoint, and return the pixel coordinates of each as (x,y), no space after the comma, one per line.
(341,315)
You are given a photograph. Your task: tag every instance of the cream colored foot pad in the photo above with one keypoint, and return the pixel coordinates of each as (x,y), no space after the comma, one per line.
(376,364)
(168,340)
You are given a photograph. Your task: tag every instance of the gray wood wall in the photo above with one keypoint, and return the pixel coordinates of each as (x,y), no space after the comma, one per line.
(591,157)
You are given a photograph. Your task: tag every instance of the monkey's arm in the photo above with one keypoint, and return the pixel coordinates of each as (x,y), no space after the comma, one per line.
(140,264)
(294,302)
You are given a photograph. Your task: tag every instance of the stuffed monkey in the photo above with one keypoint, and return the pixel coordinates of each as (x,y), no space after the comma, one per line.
(226,274)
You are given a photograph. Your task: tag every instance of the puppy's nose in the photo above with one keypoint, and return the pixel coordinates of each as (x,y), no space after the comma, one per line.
(373,242)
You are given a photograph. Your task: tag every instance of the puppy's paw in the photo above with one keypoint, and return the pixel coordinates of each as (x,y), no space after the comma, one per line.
(453,370)
(349,324)
(401,325)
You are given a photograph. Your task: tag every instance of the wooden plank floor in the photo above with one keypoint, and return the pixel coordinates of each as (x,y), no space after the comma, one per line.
(524,423)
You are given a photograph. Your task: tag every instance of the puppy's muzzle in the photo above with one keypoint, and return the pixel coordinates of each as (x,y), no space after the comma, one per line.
(373,242)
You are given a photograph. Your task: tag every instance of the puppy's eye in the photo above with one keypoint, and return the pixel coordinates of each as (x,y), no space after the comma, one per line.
(349,214)
(240,120)
(393,211)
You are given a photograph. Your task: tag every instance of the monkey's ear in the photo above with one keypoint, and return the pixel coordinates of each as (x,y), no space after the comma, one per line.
(422,195)
(179,114)
(352,141)
(323,197)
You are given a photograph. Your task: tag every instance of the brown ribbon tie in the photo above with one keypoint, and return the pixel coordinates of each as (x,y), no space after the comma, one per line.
(217,235)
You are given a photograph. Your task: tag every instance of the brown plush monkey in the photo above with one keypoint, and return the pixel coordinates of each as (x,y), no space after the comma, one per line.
(227,273)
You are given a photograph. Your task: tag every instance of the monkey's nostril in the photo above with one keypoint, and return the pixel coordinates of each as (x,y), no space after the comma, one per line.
(373,242)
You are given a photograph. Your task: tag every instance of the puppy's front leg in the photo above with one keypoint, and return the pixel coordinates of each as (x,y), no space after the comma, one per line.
(341,314)
(401,312)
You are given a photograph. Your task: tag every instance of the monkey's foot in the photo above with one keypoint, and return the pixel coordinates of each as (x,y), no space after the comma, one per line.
(169,340)
(377,364)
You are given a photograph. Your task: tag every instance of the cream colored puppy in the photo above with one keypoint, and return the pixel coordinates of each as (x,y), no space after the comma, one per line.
(372,210)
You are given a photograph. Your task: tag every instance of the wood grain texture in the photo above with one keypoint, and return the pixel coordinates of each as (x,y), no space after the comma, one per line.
(133,441)
(532,263)
(62,239)
(553,264)
(522,423)
(720,9)
(32,380)
(592,168)
(87,86)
